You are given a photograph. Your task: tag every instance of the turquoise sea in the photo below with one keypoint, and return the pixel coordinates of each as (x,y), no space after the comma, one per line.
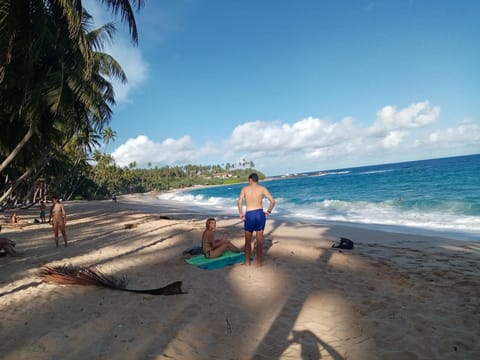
(438,197)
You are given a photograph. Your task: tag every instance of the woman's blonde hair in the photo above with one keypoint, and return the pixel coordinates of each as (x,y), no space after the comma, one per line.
(209,220)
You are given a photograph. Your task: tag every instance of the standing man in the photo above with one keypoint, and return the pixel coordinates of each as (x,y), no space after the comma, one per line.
(254,216)
(43,207)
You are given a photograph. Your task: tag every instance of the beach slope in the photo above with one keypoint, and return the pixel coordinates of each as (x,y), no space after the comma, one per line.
(394,296)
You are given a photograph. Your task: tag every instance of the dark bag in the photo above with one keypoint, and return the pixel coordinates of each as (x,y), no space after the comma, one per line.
(344,244)
(196,250)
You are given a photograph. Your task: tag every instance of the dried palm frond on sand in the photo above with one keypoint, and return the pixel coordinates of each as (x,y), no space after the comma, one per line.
(81,275)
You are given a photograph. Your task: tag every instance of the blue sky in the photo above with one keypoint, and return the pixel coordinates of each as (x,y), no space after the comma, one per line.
(297,86)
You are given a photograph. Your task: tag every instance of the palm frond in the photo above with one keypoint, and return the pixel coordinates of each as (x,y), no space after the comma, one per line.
(80,275)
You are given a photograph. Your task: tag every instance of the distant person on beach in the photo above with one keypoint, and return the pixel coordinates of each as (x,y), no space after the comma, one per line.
(114,197)
(254,217)
(8,246)
(14,219)
(43,207)
(58,219)
(213,248)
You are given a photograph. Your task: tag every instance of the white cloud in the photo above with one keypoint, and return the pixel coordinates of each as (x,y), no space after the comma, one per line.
(414,116)
(468,132)
(143,151)
(314,144)
(393,139)
(304,135)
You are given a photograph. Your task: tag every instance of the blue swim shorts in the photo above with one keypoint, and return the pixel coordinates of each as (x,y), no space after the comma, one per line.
(254,220)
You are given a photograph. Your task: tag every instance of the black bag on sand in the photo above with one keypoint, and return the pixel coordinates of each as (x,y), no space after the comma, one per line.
(344,244)
(196,250)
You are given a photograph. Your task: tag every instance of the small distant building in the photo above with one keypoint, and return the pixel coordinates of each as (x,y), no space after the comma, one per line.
(222,175)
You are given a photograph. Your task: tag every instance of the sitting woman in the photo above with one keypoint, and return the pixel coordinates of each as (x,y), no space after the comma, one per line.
(213,248)
(14,219)
(7,245)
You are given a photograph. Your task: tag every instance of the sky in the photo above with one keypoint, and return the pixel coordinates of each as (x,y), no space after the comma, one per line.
(296,86)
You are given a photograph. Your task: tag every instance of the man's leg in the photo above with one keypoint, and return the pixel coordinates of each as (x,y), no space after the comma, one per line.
(248,247)
(259,252)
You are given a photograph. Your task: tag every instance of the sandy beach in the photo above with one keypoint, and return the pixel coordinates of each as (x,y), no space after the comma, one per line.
(394,296)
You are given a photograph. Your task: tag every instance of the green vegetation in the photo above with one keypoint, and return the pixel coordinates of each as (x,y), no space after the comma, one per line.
(106,178)
(55,106)
(55,94)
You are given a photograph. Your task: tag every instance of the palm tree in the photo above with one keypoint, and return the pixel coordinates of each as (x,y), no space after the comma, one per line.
(20,18)
(84,114)
(108,134)
(52,81)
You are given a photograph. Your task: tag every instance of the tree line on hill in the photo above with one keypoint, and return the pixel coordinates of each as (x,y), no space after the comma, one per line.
(105,178)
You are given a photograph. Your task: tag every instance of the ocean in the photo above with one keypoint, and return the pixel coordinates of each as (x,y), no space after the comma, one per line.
(437,197)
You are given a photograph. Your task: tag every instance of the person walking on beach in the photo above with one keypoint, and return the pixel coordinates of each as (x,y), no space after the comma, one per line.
(213,248)
(254,217)
(58,219)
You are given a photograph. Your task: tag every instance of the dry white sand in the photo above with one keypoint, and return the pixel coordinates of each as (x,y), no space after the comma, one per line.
(394,296)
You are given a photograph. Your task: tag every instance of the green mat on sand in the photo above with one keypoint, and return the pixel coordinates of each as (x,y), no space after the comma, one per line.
(227,258)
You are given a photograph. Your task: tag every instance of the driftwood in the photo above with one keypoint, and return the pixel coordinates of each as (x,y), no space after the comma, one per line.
(80,275)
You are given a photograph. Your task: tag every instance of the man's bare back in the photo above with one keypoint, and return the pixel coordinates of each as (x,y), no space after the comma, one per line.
(253,195)
(254,216)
